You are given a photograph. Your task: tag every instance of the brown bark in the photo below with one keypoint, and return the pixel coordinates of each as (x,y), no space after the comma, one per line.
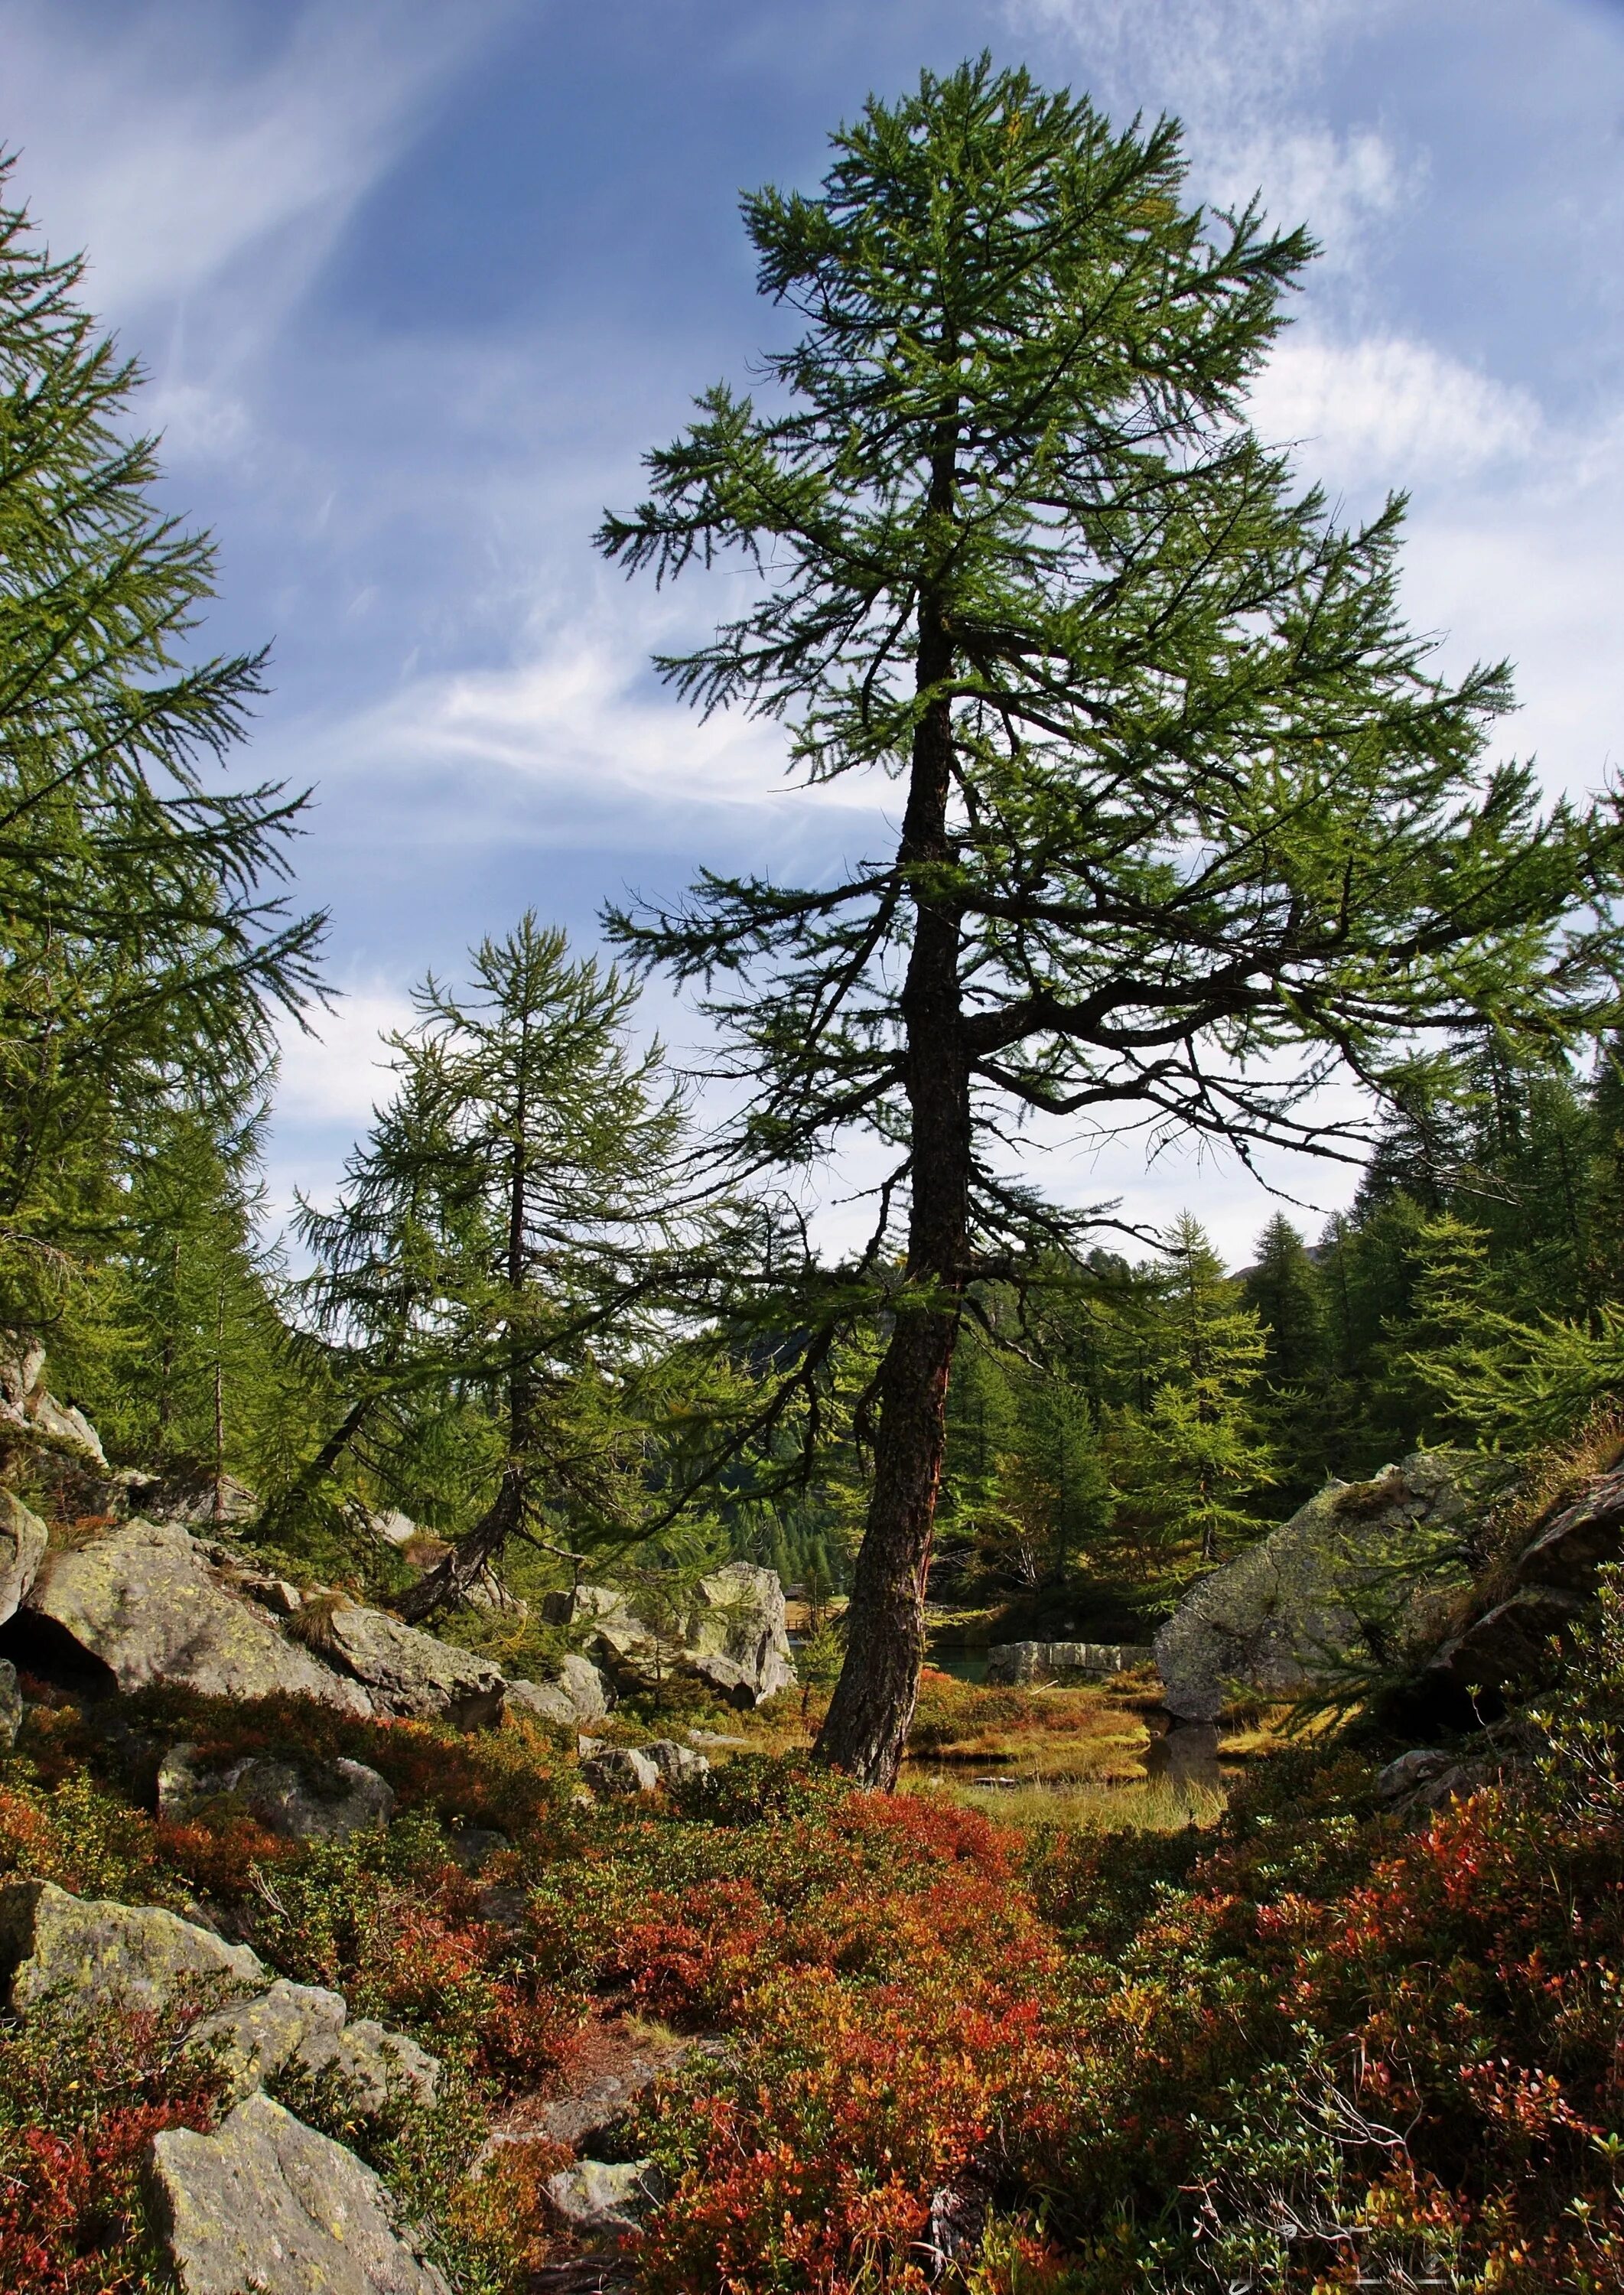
(865,1729)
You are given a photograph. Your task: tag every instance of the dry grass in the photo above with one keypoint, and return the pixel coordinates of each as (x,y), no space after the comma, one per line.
(1151,1805)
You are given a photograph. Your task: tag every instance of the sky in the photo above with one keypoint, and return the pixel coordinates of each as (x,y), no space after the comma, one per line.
(416,285)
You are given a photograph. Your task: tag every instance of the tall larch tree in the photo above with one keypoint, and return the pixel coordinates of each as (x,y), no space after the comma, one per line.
(1190,821)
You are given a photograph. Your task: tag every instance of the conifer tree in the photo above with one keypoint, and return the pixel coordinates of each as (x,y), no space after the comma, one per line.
(140,946)
(500,1234)
(1197,1457)
(1190,819)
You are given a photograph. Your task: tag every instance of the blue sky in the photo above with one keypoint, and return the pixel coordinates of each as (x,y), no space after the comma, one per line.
(416,284)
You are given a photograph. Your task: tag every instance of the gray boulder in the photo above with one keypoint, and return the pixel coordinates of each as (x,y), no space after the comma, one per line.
(136,1956)
(254,2040)
(579,1693)
(373,2065)
(594,2197)
(1363,1573)
(144,1600)
(11,1702)
(733,1635)
(23,1540)
(736,1639)
(323,1801)
(265,2203)
(410,1673)
(676,1764)
(617,1770)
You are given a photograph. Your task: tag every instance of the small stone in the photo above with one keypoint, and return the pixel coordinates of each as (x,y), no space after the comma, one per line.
(715,1738)
(11,1702)
(375,2065)
(266,2203)
(595,2197)
(475,1845)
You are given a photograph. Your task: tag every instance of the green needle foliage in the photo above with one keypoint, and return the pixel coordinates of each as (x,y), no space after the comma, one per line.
(1191,821)
(490,1283)
(141,954)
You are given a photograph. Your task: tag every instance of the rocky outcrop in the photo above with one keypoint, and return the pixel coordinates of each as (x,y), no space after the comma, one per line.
(733,1635)
(325,1801)
(135,1957)
(23,1540)
(1505,1633)
(143,1957)
(1011,1662)
(1363,1573)
(410,1673)
(579,1695)
(143,1602)
(267,2202)
(30,1415)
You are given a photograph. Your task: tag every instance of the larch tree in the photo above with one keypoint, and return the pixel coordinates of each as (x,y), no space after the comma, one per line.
(1190,820)
(143,948)
(503,1233)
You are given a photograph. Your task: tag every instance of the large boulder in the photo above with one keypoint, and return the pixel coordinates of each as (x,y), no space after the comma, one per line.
(267,2202)
(23,1540)
(1361,1575)
(733,1635)
(132,1955)
(735,1638)
(322,1800)
(141,1957)
(143,1602)
(410,1673)
(578,1694)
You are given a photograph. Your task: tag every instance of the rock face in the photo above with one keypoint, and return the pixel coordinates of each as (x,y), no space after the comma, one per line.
(325,1801)
(23,1539)
(1359,1572)
(580,1694)
(411,1673)
(137,1956)
(734,1635)
(265,2203)
(143,1600)
(1018,1661)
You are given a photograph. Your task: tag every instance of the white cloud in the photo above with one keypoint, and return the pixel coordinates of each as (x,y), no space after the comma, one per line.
(169,155)
(337,1075)
(572,722)
(1389,410)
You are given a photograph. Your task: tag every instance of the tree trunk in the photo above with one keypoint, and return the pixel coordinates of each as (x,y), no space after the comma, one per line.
(865,1729)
